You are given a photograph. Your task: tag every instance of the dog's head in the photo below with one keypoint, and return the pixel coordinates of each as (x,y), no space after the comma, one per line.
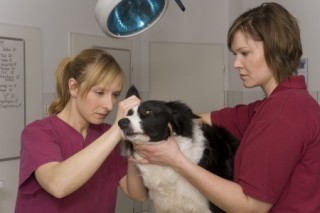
(149,122)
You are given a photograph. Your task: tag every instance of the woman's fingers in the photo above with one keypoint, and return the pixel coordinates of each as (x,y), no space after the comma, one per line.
(126,105)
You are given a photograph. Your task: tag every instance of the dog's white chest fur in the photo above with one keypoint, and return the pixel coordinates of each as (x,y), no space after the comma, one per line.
(170,192)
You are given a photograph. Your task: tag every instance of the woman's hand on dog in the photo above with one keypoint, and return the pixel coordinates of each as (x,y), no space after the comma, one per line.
(166,153)
(124,107)
(160,153)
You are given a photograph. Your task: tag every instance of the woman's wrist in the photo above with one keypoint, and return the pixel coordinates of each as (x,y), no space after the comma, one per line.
(180,163)
(114,132)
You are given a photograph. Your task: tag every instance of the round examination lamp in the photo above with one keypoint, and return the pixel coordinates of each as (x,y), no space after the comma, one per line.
(125,18)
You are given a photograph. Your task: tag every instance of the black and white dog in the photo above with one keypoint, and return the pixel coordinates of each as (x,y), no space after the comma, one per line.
(211,147)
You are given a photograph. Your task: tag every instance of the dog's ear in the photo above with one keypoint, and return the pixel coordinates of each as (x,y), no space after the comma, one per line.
(132,91)
(183,109)
(181,118)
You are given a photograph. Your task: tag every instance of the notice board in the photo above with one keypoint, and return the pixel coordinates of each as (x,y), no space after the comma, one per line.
(12,95)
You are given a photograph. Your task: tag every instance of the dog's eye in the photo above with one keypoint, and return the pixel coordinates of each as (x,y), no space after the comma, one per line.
(147,112)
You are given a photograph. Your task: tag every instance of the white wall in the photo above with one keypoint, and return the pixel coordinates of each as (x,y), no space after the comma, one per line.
(234,9)
(204,21)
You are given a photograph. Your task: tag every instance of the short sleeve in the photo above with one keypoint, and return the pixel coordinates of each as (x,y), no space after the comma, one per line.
(235,119)
(38,146)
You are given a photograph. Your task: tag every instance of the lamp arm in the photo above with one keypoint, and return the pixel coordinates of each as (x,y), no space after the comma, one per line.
(179,3)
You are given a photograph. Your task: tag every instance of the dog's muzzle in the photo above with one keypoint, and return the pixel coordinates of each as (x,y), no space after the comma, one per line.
(123,123)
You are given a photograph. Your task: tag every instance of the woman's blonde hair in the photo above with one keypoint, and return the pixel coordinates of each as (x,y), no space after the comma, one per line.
(273,25)
(89,68)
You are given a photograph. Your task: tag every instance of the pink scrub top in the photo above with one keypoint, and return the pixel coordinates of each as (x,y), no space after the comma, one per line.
(51,139)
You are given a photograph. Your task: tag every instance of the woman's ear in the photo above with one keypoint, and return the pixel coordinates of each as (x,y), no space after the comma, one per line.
(73,87)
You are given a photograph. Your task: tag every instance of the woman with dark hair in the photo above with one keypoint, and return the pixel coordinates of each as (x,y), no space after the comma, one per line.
(277,165)
(70,161)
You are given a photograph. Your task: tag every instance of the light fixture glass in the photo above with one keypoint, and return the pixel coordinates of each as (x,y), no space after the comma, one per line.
(125,18)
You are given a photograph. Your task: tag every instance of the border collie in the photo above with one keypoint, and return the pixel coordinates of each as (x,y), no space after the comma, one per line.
(211,147)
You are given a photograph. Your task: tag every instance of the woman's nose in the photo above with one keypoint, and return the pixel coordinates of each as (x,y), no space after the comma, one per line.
(236,63)
(108,103)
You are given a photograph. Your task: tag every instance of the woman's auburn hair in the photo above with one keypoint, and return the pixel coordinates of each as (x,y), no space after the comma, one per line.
(279,31)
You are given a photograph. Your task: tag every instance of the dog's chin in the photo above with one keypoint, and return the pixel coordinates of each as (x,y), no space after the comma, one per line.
(136,138)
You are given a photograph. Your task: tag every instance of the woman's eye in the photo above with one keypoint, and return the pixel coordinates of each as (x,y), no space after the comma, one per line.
(244,53)
(100,93)
(116,95)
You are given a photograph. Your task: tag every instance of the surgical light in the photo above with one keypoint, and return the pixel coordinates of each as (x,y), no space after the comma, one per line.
(125,18)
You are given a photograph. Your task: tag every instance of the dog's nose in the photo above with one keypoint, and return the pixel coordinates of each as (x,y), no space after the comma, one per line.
(123,123)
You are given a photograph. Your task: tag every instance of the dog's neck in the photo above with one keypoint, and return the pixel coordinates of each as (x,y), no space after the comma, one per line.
(191,147)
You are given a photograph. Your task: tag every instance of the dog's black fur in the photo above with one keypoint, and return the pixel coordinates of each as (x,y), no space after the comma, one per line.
(219,148)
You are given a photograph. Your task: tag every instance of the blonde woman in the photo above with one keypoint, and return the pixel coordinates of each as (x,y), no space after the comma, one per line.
(70,161)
